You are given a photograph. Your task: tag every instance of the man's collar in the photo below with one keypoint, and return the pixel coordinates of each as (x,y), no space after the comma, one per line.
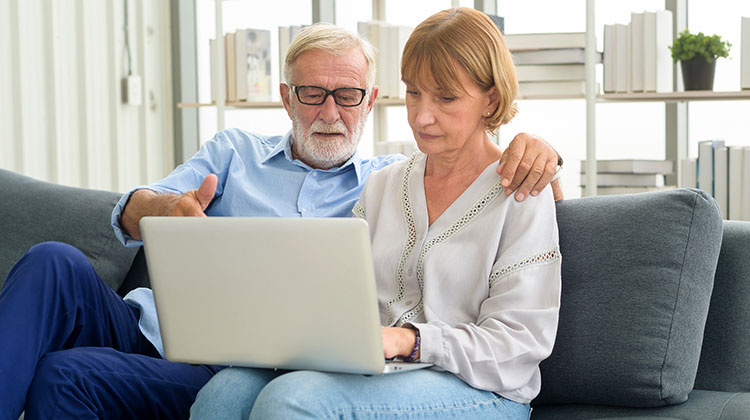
(285,146)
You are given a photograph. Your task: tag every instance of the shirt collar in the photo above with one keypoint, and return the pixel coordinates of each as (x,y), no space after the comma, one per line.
(285,146)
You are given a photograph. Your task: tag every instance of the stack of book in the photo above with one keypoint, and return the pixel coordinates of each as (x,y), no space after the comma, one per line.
(724,173)
(247,65)
(549,64)
(745,54)
(629,176)
(389,41)
(286,35)
(636,55)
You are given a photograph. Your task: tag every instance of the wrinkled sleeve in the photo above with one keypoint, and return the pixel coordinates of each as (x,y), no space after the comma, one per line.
(212,158)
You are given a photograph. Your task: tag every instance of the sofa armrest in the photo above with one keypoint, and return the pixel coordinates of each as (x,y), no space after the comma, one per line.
(33,211)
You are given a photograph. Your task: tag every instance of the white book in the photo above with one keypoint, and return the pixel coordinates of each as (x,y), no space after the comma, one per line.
(622,67)
(385,64)
(657,61)
(284,40)
(214,76)
(552,89)
(231,68)
(721,173)
(636,52)
(745,54)
(610,52)
(746,185)
(550,72)
(688,173)
(399,37)
(240,48)
(256,62)
(556,56)
(601,190)
(706,164)
(736,155)
(632,166)
(543,41)
(627,180)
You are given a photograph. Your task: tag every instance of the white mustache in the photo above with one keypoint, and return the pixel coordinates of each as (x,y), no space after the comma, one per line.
(336,128)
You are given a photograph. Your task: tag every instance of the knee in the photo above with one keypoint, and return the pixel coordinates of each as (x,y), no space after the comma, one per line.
(230,394)
(300,394)
(48,262)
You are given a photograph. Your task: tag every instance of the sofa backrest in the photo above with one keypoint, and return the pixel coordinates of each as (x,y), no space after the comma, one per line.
(33,211)
(725,355)
(637,275)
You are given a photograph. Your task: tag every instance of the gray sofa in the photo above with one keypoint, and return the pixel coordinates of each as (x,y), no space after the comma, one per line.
(650,326)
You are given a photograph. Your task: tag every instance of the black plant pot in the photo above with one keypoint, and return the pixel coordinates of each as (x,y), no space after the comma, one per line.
(698,74)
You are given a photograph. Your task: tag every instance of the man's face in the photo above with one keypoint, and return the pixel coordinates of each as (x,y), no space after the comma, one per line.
(326,135)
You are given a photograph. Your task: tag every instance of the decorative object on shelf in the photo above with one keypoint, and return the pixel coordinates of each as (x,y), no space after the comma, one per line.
(745,54)
(697,54)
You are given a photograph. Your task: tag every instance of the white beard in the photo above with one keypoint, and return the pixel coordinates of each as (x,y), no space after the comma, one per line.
(325,153)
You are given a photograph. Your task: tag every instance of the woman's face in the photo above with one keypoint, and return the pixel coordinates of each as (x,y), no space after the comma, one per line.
(442,123)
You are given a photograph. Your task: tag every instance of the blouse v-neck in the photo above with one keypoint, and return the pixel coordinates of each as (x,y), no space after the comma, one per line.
(458,208)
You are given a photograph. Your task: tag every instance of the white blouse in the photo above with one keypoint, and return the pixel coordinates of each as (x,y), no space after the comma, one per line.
(482,283)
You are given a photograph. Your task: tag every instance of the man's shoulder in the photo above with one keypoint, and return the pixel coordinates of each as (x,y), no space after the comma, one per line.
(242,140)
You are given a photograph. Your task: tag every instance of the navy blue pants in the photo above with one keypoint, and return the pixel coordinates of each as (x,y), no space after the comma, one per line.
(70,347)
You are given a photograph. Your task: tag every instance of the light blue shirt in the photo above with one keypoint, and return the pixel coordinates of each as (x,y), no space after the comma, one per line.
(258,177)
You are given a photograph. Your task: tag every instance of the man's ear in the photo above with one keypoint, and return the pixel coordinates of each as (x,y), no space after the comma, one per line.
(284,91)
(373,96)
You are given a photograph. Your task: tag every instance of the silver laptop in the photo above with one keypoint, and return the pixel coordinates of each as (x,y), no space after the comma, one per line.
(287,293)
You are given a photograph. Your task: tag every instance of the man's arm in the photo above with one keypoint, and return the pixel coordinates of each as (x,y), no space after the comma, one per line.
(528,165)
(148,203)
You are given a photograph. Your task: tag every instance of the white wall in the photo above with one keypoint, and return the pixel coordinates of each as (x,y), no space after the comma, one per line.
(61,113)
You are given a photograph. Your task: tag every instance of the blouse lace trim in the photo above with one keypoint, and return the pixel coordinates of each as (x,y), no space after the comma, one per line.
(470,215)
(359,210)
(409,243)
(538,259)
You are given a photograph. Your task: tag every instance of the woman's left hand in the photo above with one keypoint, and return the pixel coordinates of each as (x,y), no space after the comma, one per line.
(397,341)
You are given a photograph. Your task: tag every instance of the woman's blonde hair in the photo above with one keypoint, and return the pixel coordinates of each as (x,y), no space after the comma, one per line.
(331,39)
(469,38)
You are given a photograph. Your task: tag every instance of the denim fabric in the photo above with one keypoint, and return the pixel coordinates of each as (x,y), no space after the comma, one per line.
(243,393)
(71,348)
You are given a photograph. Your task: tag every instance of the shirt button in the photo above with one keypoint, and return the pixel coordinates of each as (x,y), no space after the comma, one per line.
(303,210)
(408,302)
(315,174)
(410,271)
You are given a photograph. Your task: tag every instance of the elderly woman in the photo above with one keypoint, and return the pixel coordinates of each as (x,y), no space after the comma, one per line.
(468,279)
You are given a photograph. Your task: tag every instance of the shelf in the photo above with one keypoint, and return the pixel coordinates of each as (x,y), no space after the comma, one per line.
(693,95)
(271,104)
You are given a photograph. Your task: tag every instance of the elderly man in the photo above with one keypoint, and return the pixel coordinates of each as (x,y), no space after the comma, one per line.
(71,348)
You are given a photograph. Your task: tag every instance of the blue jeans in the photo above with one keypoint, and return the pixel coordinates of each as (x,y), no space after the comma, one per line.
(241,393)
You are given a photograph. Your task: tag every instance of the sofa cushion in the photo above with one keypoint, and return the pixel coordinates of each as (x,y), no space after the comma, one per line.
(637,274)
(33,211)
(725,355)
(701,405)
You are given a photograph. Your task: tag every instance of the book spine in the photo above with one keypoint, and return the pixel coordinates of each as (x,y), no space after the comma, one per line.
(735,183)
(636,52)
(610,52)
(721,165)
(664,64)
(745,53)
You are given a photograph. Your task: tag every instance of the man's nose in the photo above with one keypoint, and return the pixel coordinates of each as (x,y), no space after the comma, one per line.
(329,111)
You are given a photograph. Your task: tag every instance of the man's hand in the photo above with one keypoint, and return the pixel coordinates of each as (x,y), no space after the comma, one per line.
(397,341)
(147,203)
(193,202)
(527,166)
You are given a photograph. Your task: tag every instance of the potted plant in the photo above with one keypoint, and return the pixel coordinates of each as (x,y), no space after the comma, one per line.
(697,55)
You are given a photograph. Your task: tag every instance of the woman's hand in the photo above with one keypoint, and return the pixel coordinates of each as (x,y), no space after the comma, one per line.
(398,341)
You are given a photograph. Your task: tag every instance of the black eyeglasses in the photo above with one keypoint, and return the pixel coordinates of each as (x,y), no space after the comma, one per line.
(316,95)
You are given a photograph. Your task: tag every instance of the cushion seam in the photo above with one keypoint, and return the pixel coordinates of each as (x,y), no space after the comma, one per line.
(726,403)
(677,295)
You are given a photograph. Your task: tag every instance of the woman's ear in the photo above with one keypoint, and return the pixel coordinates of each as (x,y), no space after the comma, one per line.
(493,99)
